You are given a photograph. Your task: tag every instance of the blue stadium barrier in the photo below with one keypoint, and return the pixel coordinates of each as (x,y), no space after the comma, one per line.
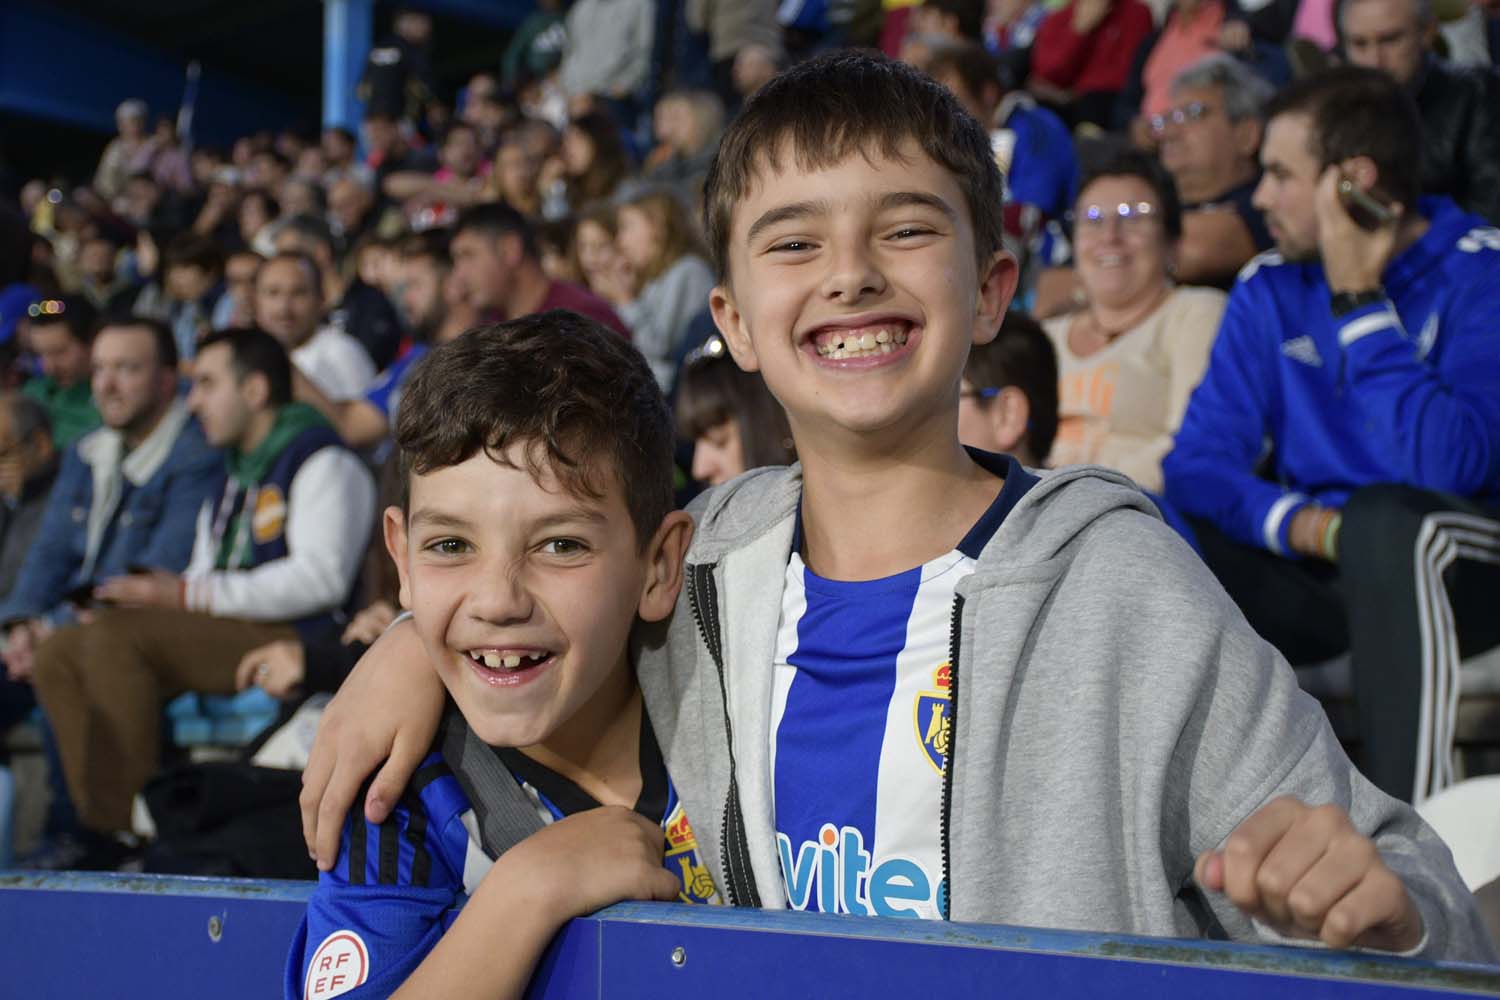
(81,935)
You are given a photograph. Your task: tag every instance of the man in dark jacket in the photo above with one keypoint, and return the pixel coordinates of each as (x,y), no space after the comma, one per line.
(1460,106)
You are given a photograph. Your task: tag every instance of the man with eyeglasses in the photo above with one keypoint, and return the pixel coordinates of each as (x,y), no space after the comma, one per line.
(1460,107)
(1208,141)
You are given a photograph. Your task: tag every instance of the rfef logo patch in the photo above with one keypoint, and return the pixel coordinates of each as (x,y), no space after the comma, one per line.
(932,719)
(341,963)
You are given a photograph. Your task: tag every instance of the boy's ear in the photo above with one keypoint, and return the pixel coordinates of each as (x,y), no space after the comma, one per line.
(664,556)
(395,544)
(1009,414)
(997,286)
(731,326)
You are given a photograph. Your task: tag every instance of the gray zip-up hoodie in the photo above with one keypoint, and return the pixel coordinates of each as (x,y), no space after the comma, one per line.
(1114,716)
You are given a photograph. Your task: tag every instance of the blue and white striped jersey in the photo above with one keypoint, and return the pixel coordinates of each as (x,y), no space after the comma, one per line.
(398,887)
(860,725)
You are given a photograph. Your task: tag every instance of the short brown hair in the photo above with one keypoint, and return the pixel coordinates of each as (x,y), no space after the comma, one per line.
(842,103)
(582,399)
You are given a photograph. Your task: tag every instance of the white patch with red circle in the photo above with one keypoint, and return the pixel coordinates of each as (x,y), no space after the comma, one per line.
(341,963)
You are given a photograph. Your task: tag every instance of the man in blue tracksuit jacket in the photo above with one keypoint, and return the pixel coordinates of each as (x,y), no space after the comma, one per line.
(1341,459)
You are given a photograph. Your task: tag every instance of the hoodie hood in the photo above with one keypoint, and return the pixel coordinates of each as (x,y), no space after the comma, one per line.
(1044,522)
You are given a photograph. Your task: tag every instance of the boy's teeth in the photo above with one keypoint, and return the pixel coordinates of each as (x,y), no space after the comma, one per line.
(859,344)
(511,661)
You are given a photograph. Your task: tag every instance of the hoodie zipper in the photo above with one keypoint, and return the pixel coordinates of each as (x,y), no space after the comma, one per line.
(945,817)
(739,881)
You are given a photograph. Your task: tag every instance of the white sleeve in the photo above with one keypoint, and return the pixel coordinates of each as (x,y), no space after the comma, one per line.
(330,510)
(202,558)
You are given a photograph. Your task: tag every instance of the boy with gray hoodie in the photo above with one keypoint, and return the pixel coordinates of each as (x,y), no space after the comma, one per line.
(978,693)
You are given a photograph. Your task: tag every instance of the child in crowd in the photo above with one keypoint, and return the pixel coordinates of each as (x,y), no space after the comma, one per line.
(732,419)
(1007,401)
(976,693)
(665,281)
(536,527)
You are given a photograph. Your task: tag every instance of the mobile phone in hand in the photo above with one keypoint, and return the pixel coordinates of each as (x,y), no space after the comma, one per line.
(1367,211)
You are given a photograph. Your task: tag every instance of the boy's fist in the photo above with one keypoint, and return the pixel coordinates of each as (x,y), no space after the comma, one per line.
(598,857)
(1307,872)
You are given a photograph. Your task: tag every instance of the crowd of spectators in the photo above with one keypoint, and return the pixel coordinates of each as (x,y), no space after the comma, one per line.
(205,348)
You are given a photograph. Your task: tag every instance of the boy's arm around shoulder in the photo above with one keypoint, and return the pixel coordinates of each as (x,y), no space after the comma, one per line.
(1243,734)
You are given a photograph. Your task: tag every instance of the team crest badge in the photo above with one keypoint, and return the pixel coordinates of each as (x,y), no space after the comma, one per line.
(933,722)
(269,516)
(682,859)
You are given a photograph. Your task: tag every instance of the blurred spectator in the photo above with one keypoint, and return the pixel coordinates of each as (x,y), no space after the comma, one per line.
(1031,144)
(185,299)
(1129,360)
(1359,370)
(515,176)
(1209,140)
(126,494)
(591,163)
(387,150)
(257,212)
(397,79)
(60,332)
(666,280)
(28,467)
(278,550)
(557,250)
(351,305)
(340,149)
(1010,28)
(436,312)
(459,181)
(98,270)
(288,307)
(128,153)
(1460,108)
(608,49)
(1082,55)
(1007,401)
(536,49)
(687,126)
(599,259)
(732,419)
(732,26)
(495,263)
(351,212)
(237,305)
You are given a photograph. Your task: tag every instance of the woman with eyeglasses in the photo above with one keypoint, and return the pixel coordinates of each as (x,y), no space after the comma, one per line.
(1131,356)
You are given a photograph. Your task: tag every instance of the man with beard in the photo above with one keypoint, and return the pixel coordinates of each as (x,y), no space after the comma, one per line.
(1366,351)
(126,494)
(436,312)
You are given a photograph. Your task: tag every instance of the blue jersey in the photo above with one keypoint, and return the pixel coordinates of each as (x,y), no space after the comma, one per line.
(859,728)
(1035,150)
(397,887)
(385,392)
(1405,390)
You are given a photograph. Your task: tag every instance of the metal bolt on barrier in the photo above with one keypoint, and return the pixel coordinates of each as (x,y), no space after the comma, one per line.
(679,957)
(215,928)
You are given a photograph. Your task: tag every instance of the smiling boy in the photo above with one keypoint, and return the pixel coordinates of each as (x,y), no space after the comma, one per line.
(976,693)
(536,528)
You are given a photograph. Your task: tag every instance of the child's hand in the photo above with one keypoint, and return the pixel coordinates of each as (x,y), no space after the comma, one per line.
(387,709)
(1307,872)
(589,860)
